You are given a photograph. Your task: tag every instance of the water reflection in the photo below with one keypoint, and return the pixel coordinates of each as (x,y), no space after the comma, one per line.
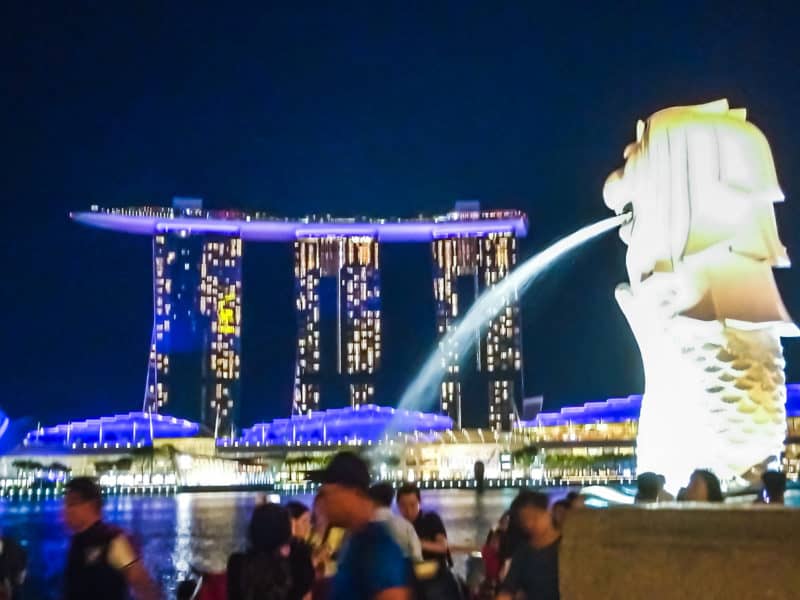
(183,536)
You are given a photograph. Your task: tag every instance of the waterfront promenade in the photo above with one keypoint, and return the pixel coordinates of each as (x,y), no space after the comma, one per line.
(181,531)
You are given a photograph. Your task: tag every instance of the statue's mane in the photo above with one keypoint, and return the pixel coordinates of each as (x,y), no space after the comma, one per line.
(713,174)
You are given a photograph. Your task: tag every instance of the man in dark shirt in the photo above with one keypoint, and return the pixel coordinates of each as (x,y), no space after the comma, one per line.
(102,563)
(371,565)
(534,566)
(428,525)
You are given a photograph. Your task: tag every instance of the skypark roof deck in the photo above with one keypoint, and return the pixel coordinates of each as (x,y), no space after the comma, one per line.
(259,227)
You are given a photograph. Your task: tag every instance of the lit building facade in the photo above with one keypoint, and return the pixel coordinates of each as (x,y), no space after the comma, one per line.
(597,441)
(360,330)
(221,307)
(580,445)
(472,263)
(194,362)
(353,261)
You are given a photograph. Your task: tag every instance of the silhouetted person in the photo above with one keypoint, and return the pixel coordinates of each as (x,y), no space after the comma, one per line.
(774,487)
(102,563)
(513,538)
(301,545)
(272,567)
(13,563)
(703,487)
(664,495)
(479,471)
(534,566)
(648,488)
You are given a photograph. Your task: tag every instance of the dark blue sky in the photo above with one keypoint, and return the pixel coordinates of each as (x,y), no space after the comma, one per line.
(377,108)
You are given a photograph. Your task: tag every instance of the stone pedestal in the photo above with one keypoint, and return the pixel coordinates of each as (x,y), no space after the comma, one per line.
(681,551)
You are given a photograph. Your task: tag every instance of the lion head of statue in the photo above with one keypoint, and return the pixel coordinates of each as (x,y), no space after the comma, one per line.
(698,180)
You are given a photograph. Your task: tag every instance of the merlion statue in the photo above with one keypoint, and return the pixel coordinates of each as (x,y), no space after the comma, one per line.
(702,301)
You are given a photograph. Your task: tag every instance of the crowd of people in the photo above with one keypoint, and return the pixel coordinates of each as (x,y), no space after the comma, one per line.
(348,545)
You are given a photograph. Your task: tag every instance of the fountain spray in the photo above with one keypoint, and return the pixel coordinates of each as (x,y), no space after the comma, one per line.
(422,392)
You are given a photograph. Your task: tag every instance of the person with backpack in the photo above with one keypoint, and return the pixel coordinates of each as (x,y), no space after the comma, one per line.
(102,562)
(272,568)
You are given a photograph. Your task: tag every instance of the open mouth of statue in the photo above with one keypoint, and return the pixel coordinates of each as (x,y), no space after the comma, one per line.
(628,208)
(627,225)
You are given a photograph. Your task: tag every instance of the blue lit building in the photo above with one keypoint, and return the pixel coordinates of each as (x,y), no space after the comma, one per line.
(365,424)
(614,410)
(599,438)
(624,410)
(12,432)
(130,430)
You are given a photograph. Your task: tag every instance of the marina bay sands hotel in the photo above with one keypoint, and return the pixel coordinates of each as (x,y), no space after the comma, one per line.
(195,351)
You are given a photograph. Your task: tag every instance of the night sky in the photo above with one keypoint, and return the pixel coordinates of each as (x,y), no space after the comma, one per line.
(378,109)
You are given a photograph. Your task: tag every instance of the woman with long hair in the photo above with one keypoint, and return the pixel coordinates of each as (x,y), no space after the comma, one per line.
(269,569)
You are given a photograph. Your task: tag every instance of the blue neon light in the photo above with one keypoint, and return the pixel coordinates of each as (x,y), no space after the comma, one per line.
(368,423)
(617,410)
(136,428)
